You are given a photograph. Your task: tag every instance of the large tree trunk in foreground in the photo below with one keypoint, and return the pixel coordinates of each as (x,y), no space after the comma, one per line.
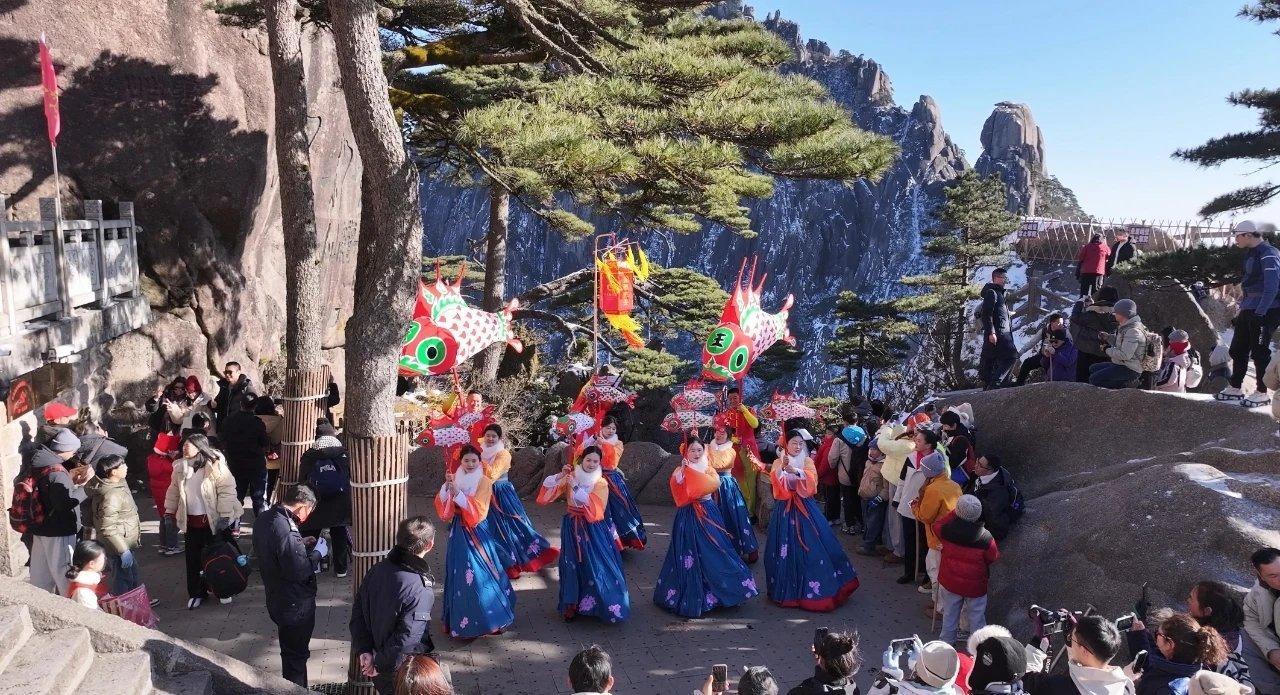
(387,267)
(306,380)
(495,276)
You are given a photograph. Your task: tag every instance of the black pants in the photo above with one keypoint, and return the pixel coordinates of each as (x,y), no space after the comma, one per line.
(914,548)
(340,548)
(852,504)
(1085,360)
(1029,365)
(193,542)
(995,361)
(252,482)
(1252,341)
(295,648)
(1089,283)
(830,501)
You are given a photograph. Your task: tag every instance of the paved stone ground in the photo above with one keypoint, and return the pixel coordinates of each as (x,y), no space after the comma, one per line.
(654,652)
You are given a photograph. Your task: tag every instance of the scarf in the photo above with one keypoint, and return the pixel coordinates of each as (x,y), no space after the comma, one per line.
(465,482)
(584,480)
(796,462)
(488,452)
(611,441)
(721,447)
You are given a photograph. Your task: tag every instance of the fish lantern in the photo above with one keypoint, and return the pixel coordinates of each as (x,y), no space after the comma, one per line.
(785,407)
(617,299)
(446,331)
(745,330)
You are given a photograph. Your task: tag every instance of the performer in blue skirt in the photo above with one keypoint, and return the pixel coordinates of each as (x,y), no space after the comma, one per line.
(622,510)
(523,548)
(733,506)
(805,567)
(702,570)
(591,579)
(478,599)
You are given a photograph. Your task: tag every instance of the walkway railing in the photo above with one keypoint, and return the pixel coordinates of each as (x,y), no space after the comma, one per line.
(47,274)
(1048,239)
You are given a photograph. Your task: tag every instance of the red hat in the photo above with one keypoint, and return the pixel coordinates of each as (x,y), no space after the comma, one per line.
(56,410)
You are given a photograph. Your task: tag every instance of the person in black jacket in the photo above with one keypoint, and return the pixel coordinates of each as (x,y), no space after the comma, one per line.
(1122,252)
(289,567)
(232,389)
(391,616)
(53,539)
(998,349)
(993,485)
(835,667)
(1089,318)
(324,467)
(245,443)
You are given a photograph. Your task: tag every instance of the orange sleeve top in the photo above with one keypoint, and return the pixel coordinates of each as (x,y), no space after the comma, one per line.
(689,486)
(473,508)
(611,455)
(499,466)
(591,504)
(804,486)
(722,461)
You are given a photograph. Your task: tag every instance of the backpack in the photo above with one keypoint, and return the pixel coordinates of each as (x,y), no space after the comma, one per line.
(28,509)
(328,479)
(1152,353)
(1017,505)
(1195,372)
(224,569)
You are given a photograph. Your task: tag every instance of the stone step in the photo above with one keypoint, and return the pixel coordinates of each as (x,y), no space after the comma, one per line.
(51,663)
(119,674)
(194,683)
(15,630)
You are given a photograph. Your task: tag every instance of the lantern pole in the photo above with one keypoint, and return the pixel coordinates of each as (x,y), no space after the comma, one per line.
(595,297)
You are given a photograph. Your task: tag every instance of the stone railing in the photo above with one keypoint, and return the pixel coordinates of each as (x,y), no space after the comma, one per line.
(45,275)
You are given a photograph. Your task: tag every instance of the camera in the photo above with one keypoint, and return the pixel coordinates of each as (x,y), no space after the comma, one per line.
(1125,622)
(891,661)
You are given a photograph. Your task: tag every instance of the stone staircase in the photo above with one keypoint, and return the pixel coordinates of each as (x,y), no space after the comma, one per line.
(63,661)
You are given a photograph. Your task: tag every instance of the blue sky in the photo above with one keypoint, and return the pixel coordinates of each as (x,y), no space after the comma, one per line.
(1115,85)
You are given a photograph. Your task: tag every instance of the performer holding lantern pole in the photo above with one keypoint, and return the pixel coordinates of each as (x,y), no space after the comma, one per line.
(733,506)
(622,509)
(526,550)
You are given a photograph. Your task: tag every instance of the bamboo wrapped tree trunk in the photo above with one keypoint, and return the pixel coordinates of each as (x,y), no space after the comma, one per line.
(306,392)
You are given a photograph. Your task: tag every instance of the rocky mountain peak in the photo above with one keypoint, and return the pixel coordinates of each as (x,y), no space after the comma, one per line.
(1013,148)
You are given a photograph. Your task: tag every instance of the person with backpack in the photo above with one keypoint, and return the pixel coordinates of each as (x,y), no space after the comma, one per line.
(1127,349)
(993,485)
(960,452)
(391,614)
(1090,318)
(289,566)
(45,508)
(245,441)
(201,500)
(848,455)
(327,471)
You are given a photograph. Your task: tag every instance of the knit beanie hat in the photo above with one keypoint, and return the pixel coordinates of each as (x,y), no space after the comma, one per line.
(933,465)
(1128,307)
(64,442)
(938,664)
(1212,683)
(969,508)
(324,428)
(1179,336)
(998,660)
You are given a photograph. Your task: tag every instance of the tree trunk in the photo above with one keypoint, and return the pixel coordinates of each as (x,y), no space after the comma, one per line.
(495,276)
(848,375)
(388,263)
(862,361)
(305,378)
(956,333)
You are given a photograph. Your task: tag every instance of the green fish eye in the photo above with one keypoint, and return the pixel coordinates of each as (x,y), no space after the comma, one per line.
(738,360)
(431,351)
(719,341)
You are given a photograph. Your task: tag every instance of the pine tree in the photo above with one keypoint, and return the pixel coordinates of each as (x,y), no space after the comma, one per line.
(872,337)
(1261,145)
(974,226)
(1215,267)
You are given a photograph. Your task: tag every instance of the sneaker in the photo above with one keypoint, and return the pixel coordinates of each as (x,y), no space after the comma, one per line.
(1257,399)
(194,603)
(925,588)
(224,601)
(1230,393)
(155,602)
(849,530)
(341,575)
(169,552)
(905,580)
(892,559)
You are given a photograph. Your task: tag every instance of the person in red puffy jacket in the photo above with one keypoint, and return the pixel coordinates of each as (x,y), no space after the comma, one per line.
(968,551)
(828,476)
(1091,265)
(159,473)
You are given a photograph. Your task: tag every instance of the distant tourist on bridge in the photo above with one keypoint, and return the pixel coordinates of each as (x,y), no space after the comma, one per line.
(1091,265)
(1123,252)
(1259,316)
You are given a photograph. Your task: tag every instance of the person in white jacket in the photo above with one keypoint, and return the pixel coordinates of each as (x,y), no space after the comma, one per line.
(1261,621)
(1095,641)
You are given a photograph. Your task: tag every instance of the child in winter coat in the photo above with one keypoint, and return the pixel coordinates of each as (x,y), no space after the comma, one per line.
(159,473)
(1172,377)
(1271,378)
(87,562)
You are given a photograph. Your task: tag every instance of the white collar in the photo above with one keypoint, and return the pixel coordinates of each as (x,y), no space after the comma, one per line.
(488,452)
(988,478)
(88,577)
(796,463)
(722,447)
(467,483)
(700,465)
(582,479)
(611,441)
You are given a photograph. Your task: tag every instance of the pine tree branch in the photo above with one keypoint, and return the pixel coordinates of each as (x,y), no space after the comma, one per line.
(553,287)
(568,328)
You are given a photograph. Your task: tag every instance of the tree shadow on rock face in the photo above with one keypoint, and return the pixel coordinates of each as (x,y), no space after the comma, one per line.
(133,129)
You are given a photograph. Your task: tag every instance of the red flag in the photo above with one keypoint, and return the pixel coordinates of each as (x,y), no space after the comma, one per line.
(49,80)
